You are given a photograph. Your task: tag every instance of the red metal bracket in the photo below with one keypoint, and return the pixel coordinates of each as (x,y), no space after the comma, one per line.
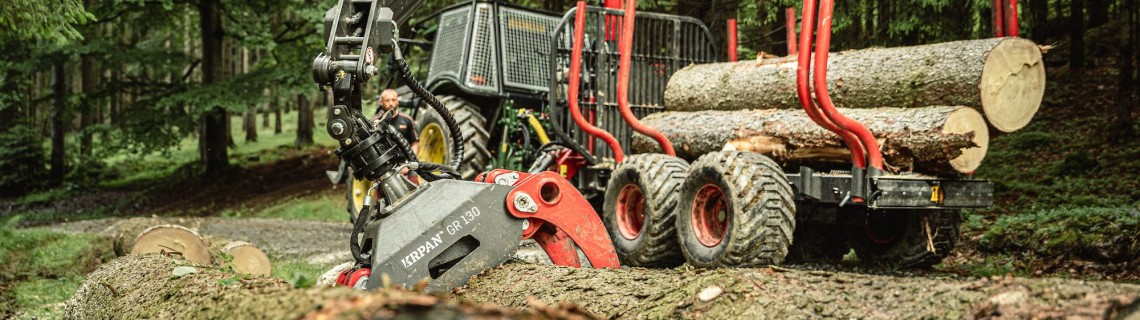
(575,81)
(625,48)
(559,219)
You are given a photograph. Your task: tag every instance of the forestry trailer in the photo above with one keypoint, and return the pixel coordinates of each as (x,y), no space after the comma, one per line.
(587,77)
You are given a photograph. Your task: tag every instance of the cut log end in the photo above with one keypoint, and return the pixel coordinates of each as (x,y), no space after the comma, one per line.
(967,120)
(248,259)
(172,238)
(1012,84)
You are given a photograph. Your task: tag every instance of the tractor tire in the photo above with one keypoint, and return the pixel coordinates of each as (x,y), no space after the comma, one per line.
(640,209)
(435,136)
(900,238)
(819,242)
(354,192)
(736,210)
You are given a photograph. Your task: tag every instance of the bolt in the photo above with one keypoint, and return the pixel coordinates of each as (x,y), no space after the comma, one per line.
(347,141)
(338,128)
(336,111)
(526,224)
(524,203)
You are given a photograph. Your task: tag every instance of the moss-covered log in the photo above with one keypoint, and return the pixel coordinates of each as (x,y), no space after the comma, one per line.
(145,287)
(1005,77)
(152,235)
(685,293)
(934,140)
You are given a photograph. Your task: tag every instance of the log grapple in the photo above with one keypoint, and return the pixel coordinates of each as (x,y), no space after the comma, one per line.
(445,230)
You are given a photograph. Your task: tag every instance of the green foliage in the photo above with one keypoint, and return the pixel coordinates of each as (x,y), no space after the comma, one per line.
(1098,233)
(41,298)
(298,273)
(323,208)
(22,161)
(52,21)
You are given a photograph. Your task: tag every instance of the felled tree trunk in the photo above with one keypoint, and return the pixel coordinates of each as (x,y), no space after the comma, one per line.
(1002,76)
(148,235)
(934,140)
(244,257)
(147,287)
(776,293)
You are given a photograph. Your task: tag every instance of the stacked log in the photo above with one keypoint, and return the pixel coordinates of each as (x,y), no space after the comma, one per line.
(152,286)
(944,140)
(1003,77)
(170,237)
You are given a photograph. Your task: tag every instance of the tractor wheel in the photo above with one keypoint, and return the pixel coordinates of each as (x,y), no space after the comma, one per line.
(906,238)
(736,211)
(819,242)
(435,137)
(355,192)
(640,209)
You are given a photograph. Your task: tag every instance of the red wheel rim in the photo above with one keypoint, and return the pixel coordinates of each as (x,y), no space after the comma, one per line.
(710,215)
(883,230)
(630,211)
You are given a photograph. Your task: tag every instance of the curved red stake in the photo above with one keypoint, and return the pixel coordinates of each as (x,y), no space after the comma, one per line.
(822,48)
(575,81)
(625,47)
(803,89)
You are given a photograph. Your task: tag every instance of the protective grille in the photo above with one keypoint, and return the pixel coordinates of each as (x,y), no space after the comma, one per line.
(447,55)
(526,47)
(482,67)
(662,44)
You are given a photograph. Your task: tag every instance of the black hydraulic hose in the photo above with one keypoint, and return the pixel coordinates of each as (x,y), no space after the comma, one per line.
(570,142)
(410,80)
(353,239)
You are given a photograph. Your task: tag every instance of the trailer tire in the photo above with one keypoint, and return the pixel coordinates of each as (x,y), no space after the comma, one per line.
(354,193)
(736,210)
(819,242)
(435,136)
(640,209)
(900,238)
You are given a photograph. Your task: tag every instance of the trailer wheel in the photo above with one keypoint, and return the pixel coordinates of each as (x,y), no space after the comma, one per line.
(819,242)
(640,209)
(435,137)
(736,211)
(906,238)
(354,193)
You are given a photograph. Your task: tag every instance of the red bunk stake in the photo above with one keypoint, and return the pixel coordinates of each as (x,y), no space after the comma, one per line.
(575,81)
(823,43)
(790,17)
(732,40)
(625,47)
(803,89)
(1011,23)
(999,19)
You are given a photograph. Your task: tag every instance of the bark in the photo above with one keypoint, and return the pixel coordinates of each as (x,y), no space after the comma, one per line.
(934,140)
(87,110)
(304,122)
(58,125)
(276,106)
(1076,34)
(1004,77)
(778,293)
(150,235)
(143,287)
(250,120)
(215,155)
(1122,131)
(1039,11)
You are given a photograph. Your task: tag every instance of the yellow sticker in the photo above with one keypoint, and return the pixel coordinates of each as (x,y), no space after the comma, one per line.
(562,170)
(936,194)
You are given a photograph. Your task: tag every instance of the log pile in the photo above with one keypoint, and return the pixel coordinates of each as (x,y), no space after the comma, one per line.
(152,286)
(152,235)
(932,107)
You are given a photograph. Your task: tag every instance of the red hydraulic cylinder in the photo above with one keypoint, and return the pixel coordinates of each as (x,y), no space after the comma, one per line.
(625,48)
(732,40)
(575,81)
(822,48)
(803,89)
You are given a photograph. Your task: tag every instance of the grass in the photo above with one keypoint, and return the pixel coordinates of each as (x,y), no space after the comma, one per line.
(320,208)
(300,274)
(43,268)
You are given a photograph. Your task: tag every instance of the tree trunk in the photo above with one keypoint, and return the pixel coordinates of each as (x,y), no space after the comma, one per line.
(215,156)
(150,235)
(58,124)
(144,287)
(933,140)
(1098,13)
(1076,34)
(1005,77)
(304,122)
(778,293)
(265,117)
(1122,129)
(276,106)
(250,121)
(88,76)
(1039,11)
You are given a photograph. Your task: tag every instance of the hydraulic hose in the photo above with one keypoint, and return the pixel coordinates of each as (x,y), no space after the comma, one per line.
(533,121)
(575,81)
(822,48)
(803,89)
(625,46)
(410,80)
